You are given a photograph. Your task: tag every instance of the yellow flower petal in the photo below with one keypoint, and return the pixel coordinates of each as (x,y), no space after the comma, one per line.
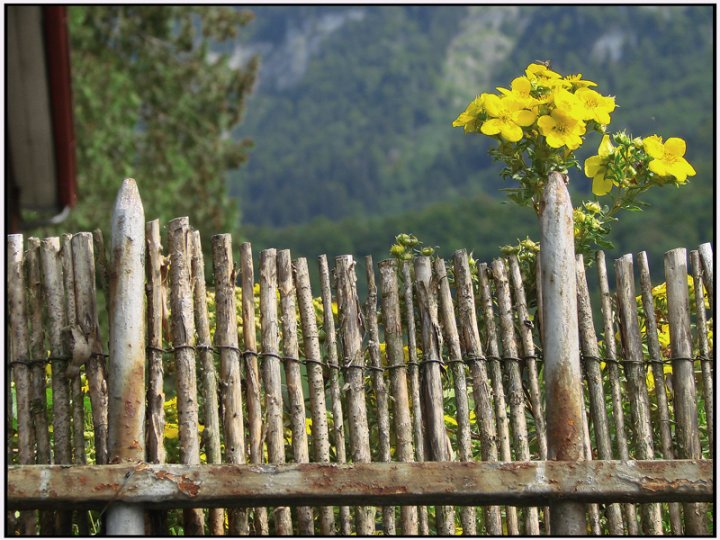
(593,165)
(654,146)
(491,127)
(675,146)
(524,117)
(601,184)
(606,148)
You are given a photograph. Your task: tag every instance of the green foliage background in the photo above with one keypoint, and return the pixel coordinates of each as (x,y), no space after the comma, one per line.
(360,147)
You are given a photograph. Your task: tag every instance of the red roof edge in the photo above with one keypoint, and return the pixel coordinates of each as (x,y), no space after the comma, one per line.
(57,52)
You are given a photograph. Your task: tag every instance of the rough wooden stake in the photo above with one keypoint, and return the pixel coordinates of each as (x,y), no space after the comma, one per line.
(635,371)
(271,375)
(563,379)
(76,393)
(333,362)
(252,374)
(436,437)
(209,378)
(155,395)
(226,340)
(516,396)
(293,378)
(468,516)
(482,390)
(183,337)
(593,375)
(54,294)
(318,410)
(354,367)
(706,257)
(38,385)
(95,368)
(20,371)
(608,314)
(503,427)
(392,326)
(705,362)
(103,273)
(126,367)
(686,422)
(414,381)
(381,395)
(653,344)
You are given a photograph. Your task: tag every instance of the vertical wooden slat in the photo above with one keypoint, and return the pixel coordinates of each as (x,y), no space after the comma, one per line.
(527,345)
(503,428)
(226,341)
(656,358)
(271,375)
(593,510)
(20,371)
(482,390)
(318,409)
(208,375)
(101,266)
(516,396)
(155,411)
(95,368)
(126,366)
(686,421)
(563,380)
(705,365)
(414,381)
(333,363)
(629,509)
(449,325)
(436,437)
(353,367)
(381,395)
(593,376)
(293,379)
(54,293)
(706,257)
(183,335)
(76,393)
(635,371)
(38,383)
(392,326)
(252,374)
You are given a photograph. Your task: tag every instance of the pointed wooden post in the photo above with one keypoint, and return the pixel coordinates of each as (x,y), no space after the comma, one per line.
(563,377)
(126,368)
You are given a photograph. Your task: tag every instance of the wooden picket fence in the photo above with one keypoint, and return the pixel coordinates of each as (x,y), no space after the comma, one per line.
(420,410)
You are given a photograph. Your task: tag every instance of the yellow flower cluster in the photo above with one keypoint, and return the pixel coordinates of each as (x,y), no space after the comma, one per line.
(663,159)
(540,102)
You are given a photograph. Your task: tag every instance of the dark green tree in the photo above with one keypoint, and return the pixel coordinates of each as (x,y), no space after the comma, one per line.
(156,101)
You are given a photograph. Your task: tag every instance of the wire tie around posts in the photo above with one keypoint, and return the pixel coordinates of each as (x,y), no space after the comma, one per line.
(396,366)
(469,358)
(271,354)
(219,348)
(204,347)
(292,359)
(246,353)
(176,348)
(688,359)
(432,361)
(412,363)
(491,357)
(451,362)
(511,359)
(333,365)
(535,357)
(156,349)
(313,361)
(375,368)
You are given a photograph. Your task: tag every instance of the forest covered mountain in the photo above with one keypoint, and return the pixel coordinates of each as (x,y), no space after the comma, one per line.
(351,119)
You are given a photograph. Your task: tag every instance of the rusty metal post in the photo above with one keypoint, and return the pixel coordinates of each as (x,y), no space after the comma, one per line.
(563,378)
(126,369)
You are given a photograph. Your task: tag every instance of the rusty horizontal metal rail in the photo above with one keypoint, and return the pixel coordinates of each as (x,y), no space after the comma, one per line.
(469,483)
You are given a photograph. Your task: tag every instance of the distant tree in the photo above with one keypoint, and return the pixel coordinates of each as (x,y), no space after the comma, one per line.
(154,100)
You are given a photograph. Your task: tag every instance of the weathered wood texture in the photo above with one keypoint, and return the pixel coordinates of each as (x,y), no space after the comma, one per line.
(331,351)
(252,373)
(172,486)
(293,378)
(271,375)
(704,347)
(226,341)
(353,366)
(183,339)
(392,325)
(609,317)
(685,399)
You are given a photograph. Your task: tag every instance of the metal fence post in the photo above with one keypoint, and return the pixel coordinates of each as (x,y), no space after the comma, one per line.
(563,378)
(126,369)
